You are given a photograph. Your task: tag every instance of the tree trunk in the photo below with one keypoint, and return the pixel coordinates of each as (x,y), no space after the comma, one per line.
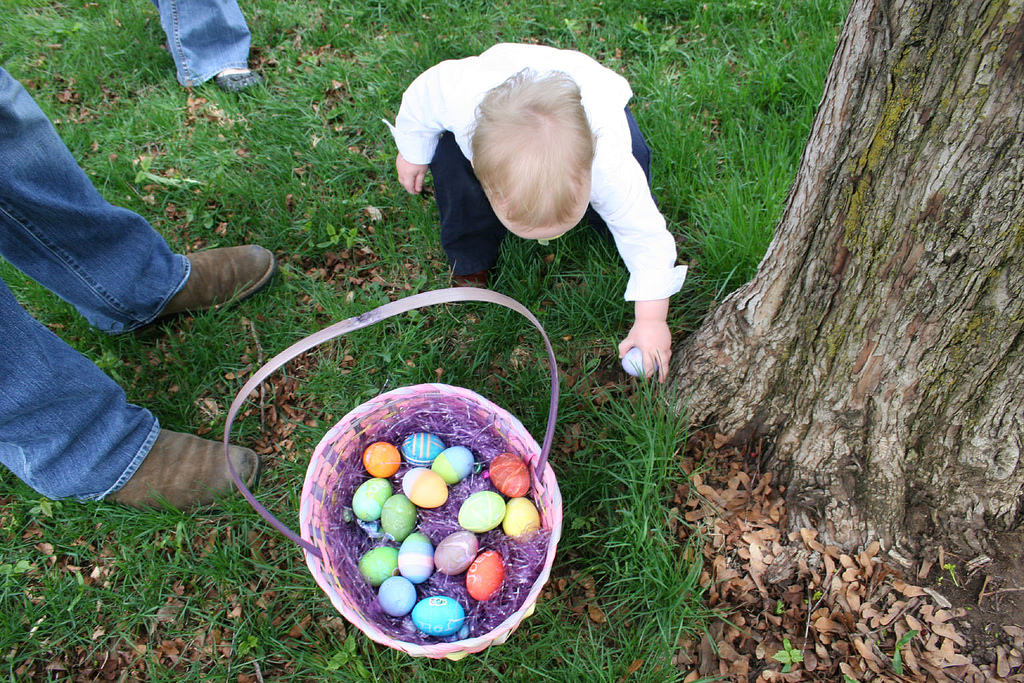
(878,347)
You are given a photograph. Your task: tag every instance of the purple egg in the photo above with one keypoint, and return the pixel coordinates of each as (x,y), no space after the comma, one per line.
(455,552)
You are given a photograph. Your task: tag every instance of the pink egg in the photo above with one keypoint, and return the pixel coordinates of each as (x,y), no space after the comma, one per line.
(485,575)
(455,552)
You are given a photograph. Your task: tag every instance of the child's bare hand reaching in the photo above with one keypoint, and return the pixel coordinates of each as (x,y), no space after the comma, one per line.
(651,335)
(411,175)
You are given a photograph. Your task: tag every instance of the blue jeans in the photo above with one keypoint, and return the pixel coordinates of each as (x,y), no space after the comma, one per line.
(66,428)
(204,37)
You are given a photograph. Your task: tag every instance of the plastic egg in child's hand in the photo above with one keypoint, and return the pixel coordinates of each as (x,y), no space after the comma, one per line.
(397,596)
(510,475)
(438,615)
(485,575)
(521,518)
(482,511)
(421,448)
(453,464)
(381,459)
(416,558)
(633,363)
(369,498)
(425,488)
(398,517)
(379,564)
(455,552)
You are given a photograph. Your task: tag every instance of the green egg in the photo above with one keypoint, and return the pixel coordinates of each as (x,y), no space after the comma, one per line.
(482,512)
(398,517)
(379,564)
(368,500)
(454,464)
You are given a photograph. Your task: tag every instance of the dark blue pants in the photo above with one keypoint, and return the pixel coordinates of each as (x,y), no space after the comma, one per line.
(471,234)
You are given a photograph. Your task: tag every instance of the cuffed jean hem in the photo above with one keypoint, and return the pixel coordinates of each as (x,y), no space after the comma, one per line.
(203,78)
(163,304)
(133,465)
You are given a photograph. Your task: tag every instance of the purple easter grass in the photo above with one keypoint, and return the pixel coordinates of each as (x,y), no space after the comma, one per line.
(457,425)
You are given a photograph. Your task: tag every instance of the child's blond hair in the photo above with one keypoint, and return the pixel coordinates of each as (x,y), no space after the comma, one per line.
(533,148)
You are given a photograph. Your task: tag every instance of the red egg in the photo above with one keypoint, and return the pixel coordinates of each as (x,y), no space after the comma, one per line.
(510,475)
(485,575)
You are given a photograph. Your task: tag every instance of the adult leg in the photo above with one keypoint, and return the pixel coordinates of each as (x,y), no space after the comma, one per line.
(55,227)
(642,153)
(471,234)
(204,37)
(66,429)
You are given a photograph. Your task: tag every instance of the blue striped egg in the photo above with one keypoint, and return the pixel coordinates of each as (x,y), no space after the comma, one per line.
(421,448)
(416,558)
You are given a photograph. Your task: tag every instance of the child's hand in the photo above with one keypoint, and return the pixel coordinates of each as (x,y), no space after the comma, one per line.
(651,335)
(411,175)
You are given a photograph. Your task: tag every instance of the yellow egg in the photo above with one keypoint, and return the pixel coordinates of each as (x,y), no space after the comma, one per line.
(425,488)
(521,518)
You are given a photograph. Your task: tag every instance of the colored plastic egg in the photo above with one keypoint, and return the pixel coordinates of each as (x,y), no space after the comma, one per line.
(485,575)
(421,448)
(425,488)
(379,564)
(369,498)
(521,518)
(510,475)
(482,511)
(438,615)
(397,596)
(416,558)
(455,552)
(381,459)
(398,517)
(453,464)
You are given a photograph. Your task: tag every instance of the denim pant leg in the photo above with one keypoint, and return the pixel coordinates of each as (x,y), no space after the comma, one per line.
(204,37)
(642,153)
(471,234)
(55,227)
(66,428)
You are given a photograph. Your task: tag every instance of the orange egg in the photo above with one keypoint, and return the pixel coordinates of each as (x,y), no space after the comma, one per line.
(485,575)
(510,475)
(381,459)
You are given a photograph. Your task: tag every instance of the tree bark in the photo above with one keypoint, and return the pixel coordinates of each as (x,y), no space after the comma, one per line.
(878,347)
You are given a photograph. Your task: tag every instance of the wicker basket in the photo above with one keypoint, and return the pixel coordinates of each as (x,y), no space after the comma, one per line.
(403,411)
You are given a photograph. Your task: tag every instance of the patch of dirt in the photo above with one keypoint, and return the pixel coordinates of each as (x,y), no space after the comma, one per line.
(795,609)
(989,588)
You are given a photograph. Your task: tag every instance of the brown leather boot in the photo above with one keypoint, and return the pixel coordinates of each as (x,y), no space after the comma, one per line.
(221,276)
(185,471)
(478,279)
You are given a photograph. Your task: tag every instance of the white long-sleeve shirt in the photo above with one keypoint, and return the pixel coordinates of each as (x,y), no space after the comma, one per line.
(446,96)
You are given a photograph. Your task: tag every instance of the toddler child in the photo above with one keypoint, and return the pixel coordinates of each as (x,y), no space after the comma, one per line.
(530,139)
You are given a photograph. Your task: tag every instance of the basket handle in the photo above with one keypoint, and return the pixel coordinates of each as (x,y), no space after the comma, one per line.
(390,309)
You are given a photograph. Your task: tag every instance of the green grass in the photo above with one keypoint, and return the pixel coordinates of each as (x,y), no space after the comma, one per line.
(725,93)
